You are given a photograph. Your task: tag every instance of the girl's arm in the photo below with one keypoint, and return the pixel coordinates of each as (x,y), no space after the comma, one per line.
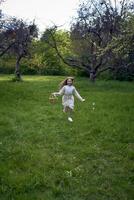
(61,92)
(78,95)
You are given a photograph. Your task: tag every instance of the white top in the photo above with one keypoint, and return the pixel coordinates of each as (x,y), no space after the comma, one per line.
(69,90)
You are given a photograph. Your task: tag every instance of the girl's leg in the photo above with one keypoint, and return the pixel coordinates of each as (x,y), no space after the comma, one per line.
(65,109)
(70,112)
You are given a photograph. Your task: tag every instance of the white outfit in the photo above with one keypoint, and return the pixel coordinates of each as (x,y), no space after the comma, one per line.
(68,98)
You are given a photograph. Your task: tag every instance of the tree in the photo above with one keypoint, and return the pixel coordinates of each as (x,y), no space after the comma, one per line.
(92,35)
(15,37)
(56,45)
(123,52)
(93,31)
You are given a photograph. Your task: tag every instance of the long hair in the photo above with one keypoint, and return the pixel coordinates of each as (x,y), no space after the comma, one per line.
(64,82)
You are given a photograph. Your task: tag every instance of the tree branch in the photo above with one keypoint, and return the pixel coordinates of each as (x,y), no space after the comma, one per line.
(96,8)
(104,69)
(70,61)
(5,50)
(122,7)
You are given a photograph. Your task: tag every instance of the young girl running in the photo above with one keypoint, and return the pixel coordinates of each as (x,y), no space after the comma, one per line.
(68,90)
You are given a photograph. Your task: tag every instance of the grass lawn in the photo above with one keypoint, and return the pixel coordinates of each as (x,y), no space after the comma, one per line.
(45,157)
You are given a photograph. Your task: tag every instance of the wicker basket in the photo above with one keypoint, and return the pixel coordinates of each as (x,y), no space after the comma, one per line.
(52,99)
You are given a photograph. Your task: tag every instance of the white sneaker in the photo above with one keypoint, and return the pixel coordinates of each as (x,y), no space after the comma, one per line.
(70,119)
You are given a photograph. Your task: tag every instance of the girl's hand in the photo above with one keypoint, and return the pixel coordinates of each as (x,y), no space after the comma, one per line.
(54,94)
(83,100)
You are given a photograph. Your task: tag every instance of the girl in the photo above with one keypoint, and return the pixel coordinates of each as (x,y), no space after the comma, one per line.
(67,90)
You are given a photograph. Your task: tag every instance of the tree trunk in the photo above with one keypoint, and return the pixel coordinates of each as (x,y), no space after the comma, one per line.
(17,69)
(92,75)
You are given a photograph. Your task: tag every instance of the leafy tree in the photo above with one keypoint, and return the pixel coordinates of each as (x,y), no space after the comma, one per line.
(98,23)
(53,39)
(15,37)
(123,52)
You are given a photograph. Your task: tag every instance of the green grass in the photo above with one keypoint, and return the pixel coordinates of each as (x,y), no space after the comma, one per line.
(45,157)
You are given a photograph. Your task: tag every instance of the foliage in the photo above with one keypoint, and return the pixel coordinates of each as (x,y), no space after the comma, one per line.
(16,36)
(101,38)
(97,25)
(123,52)
(50,63)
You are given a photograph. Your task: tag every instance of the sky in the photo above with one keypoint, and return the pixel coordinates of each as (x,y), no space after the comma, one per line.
(45,12)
